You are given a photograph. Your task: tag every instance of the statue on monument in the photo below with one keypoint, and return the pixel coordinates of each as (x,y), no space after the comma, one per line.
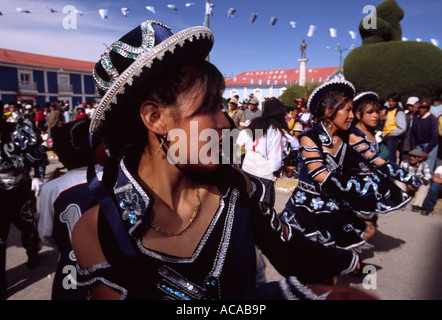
(303,48)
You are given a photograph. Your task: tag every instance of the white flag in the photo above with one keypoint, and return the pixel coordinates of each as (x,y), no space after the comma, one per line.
(151,9)
(352,34)
(23,10)
(189,4)
(125,11)
(435,42)
(404,39)
(103,13)
(311,31)
(333,33)
(172,6)
(231,12)
(418,39)
(293,24)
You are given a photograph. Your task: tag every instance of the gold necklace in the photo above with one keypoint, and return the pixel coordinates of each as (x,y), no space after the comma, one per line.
(194,215)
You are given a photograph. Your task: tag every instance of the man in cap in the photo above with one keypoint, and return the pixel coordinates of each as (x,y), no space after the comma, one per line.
(253,111)
(412,106)
(425,133)
(417,167)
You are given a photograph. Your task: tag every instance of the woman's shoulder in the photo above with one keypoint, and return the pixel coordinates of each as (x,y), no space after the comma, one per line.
(85,240)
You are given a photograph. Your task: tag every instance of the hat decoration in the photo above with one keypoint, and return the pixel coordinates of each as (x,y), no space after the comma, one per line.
(132,59)
(332,85)
(368,95)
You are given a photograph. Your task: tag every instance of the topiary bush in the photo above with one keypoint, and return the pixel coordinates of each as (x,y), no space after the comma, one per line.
(386,64)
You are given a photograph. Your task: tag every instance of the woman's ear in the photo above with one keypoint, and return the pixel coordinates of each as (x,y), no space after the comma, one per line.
(358,115)
(328,113)
(151,115)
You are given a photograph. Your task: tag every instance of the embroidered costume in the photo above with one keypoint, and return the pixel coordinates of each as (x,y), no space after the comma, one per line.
(390,196)
(20,152)
(325,212)
(223,264)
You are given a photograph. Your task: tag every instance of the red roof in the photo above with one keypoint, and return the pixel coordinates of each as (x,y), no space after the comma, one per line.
(282,76)
(38,60)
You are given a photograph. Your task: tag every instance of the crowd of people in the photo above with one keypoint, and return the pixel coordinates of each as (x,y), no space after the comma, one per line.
(137,225)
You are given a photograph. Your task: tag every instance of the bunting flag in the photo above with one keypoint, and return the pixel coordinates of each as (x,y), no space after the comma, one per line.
(352,34)
(189,4)
(333,33)
(1,13)
(293,24)
(231,12)
(404,39)
(272,21)
(172,6)
(311,31)
(435,42)
(418,39)
(51,10)
(103,13)
(125,11)
(151,9)
(79,12)
(23,10)
(253,17)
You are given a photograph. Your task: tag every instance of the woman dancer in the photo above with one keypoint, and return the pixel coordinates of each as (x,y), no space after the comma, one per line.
(168,227)
(365,161)
(325,201)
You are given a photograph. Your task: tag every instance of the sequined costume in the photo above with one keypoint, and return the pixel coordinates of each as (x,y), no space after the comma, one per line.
(20,151)
(361,163)
(223,266)
(327,212)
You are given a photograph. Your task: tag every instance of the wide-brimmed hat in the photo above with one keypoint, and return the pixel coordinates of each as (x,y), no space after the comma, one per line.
(273,107)
(332,85)
(368,95)
(140,56)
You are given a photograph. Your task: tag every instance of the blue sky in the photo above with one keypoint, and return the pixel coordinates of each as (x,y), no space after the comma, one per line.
(239,45)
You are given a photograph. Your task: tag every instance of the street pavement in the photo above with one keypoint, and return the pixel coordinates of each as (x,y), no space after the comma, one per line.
(404,263)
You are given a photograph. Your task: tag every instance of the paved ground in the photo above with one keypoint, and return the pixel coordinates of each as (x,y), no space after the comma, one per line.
(406,256)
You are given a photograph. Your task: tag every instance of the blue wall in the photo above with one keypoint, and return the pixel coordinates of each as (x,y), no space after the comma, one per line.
(8,79)
(39,78)
(89,85)
(76,82)
(52,82)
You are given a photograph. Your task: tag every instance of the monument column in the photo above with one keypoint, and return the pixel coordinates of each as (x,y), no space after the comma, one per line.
(302,73)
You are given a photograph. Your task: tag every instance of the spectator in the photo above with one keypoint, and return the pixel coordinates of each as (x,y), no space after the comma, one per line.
(236,114)
(64,198)
(252,111)
(81,112)
(394,126)
(263,147)
(436,107)
(293,119)
(39,118)
(425,133)
(412,106)
(419,168)
(305,117)
(433,194)
(54,117)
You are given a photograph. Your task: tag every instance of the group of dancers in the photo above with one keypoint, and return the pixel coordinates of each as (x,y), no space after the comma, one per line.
(344,184)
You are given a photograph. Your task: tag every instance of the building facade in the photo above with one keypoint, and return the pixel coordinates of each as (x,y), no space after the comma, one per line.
(272,83)
(37,79)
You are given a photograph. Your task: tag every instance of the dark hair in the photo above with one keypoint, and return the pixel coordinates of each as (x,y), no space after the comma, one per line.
(395,96)
(129,135)
(333,100)
(362,106)
(262,124)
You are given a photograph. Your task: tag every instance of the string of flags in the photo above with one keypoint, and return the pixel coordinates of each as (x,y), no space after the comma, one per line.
(104,14)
